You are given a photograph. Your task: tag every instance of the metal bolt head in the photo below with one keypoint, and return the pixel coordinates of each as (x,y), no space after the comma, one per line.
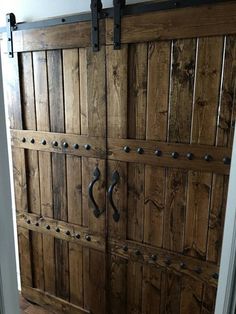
(87,237)
(198,270)
(182,265)
(65,145)
(140,150)
(175,155)
(227,160)
(76,146)
(87,146)
(215,276)
(168,261)
(137,252)
(78,236)
(208,157)
(32,141)
(48,227)
(28,221)
(125,248)
(68,232)
(57,229)
(55,143)
(126,149)
(23,139)
(153,257)
(36,224)
(190,156)
(43,142)
(158,152)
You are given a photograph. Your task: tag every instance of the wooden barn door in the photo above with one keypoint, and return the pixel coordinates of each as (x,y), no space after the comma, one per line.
(57,108)
(171,112)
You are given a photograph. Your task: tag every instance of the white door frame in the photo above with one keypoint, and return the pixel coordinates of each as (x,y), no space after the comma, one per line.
(9,297)
(226,294)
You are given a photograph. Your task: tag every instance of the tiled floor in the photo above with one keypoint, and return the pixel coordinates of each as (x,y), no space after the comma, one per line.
(29,308)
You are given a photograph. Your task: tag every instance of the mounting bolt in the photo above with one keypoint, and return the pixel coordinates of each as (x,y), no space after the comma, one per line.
(125,248)
(76,146)
(227,160)
(182,265)
(65,145)
(87,237)
(190,156)
(32,141)
(175,155)
(78,236)
(48,227)
(153,257)
(68,232)
(140,150)
(158,152)
(57,229)
(43,142)
(23,139)
(208,157)
(215,276)
(87,146)
(126,149)
(55,143)
(137,252)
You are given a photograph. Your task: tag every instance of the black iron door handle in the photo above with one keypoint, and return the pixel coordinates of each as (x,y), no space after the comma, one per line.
(96,175)
(115,180)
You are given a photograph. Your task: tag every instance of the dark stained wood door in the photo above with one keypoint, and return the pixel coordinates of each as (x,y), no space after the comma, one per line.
(57,109)
(149,128)
(171,113)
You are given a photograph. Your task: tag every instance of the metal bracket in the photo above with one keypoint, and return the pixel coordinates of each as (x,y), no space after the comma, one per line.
(118,12)
(11,22)
(96,7)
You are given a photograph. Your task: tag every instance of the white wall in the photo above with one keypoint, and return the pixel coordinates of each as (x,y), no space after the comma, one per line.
(28,10)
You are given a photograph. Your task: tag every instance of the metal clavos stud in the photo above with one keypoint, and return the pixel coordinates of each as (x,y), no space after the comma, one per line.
(175,155)
(190,156)
(153,257)
(208,157)
(78,236)
(87,237)
(32,141)
(36,224)
(58,230)
(126,149)
(125,248)
(137,252)
(76,146)
(87,146)
(55,143)
(183,265)
(168,261)
(227,160)
(215,276)
(198,270)
(43,142)
(23,140)
(65,145)
(158,152)
(28,222)
(68,232)
(140,150)
(48,227)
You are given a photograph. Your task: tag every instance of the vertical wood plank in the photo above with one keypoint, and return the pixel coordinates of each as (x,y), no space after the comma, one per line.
(191,296)
(10,70)
(156,129)
(58,169)
(151,298)
(208,300)
(83,90)
(73,169)
(181,94)
(32,166)
(224,137)
(92,74)
(134,287)
(45,167)
(117,91)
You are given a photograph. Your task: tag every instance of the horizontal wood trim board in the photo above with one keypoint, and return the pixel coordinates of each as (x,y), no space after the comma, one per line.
(208,20)
(54,37)
(51,302)
(217,155)
(170,261)
(61,230)
(43,141)
(201,270)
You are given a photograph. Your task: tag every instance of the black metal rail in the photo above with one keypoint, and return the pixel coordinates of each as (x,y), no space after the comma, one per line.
(138,8)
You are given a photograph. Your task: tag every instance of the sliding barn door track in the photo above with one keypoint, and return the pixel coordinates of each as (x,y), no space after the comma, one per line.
(97,13)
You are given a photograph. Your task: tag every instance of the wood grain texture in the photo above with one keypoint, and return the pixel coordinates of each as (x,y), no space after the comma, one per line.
(45,166)
(10,70)
(208,20)
(55,37)
(58,169)
(51,302)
